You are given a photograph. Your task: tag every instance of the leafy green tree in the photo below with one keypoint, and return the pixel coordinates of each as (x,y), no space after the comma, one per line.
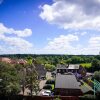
(49,67)
(10,79)
(97,75)
(76,59)
(33,83)
(95,64)
(31,78)
(69,61)
(40,60)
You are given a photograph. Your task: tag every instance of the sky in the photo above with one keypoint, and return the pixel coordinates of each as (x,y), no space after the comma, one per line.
(50,27)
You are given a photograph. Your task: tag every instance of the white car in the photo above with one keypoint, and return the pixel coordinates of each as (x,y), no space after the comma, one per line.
(46,93)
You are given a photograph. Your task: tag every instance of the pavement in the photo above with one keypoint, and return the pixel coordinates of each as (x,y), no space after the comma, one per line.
(42,83)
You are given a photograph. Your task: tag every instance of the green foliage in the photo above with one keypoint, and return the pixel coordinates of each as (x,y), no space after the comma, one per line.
(31,80)
(86,65)
(14,78)
(97,75)
(96,63)
(49,67)
(29,60)
(10,80)
(53,60)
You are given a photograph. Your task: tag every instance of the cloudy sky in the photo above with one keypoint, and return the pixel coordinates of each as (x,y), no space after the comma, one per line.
(50,26)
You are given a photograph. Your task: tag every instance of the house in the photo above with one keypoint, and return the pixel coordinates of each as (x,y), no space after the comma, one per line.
(77,69)
(5,59)
(67,85)
(13,61)
(61,70)
(21,61)
(73,68)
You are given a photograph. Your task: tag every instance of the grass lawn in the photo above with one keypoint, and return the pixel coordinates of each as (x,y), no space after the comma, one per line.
(86,65)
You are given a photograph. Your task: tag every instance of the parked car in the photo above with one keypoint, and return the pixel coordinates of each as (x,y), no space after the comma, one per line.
(46,93)
(53,73)
(42,77)
(47,87)
(50,81)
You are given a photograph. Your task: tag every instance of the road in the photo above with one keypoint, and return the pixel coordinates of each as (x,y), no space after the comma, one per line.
(42,82)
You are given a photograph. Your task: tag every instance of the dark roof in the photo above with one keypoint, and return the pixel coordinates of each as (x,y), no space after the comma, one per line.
(60,66)
(40,69)
(66,82)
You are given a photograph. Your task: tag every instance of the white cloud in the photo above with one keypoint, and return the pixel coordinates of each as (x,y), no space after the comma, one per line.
(17,42)
(21,33)
(73,13)
(80,33)
(71,44)
(92,47)
(14,44)
(83,33)
(95,42)
(61,44)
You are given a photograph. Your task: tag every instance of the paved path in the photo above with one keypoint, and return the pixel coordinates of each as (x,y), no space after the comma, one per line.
(42,82)
(48,75)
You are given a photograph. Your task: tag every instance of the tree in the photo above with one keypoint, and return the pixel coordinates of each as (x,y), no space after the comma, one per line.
(95,64)
(21,71)
(69,61)
(49,67)
(32,80)
(10,80)
(32,83)
(97,75)
(76,60)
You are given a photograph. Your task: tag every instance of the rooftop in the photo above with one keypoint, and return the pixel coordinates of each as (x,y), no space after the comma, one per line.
(75,66)
(71,66)
(66,82)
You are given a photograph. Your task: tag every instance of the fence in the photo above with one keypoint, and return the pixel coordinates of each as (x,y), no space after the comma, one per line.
(19,97)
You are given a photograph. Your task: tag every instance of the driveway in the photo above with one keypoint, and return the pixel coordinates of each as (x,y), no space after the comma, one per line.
(48,75)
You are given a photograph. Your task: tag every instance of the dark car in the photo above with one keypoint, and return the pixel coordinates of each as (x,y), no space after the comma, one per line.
(50,81)
(42,77)
(47,87)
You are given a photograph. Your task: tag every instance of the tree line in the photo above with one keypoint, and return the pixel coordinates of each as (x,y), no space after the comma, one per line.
(50,61)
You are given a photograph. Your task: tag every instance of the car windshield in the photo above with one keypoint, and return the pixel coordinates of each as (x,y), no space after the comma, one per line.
(47,92)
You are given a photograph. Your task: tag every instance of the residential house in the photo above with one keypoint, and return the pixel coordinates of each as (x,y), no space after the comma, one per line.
(67,85)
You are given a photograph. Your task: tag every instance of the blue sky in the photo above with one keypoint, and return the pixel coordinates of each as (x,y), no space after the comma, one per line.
(49,26)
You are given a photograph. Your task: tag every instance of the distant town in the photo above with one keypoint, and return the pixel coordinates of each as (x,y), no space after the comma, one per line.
(56,77)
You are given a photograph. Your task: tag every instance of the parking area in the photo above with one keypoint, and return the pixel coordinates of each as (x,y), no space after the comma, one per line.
(42,82)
